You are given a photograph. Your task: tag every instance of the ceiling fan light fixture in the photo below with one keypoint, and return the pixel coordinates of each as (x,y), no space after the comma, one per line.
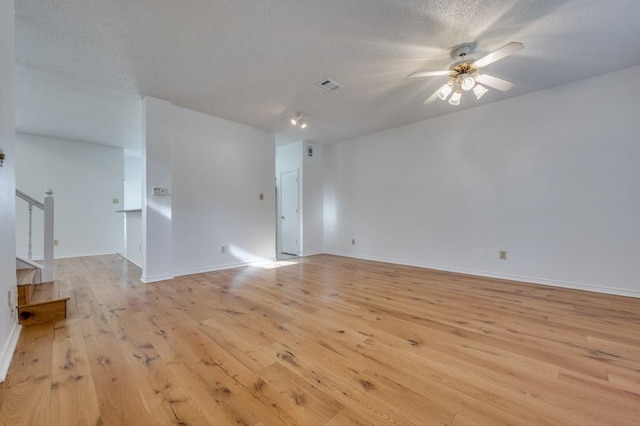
(444,91)
(303,124)
(468,82)
(294,121)
(455,98)
(479,90)
(464,73)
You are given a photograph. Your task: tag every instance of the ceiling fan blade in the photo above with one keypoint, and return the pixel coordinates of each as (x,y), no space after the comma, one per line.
(428,74)
(496,55)
(495,82)
(431,98)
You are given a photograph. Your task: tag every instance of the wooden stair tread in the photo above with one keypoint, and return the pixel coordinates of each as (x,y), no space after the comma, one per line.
(46,292)
(25,276)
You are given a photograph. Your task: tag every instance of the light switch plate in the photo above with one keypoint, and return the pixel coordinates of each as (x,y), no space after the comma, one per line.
(158,190)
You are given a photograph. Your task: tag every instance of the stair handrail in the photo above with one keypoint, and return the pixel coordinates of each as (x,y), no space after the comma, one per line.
(30,200)
(47,207)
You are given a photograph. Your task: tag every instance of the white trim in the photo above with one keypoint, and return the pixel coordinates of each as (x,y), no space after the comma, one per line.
(26,264)
(222,267)
(156,278)
(133,261)
(97,253)
(519,278)
(203,270)
(130,260)
(313,253)
(7,351)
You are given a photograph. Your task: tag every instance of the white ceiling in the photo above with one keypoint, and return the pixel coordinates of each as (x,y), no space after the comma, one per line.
(257,62)
(49,105)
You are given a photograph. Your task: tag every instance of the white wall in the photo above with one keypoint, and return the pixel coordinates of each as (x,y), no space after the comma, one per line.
(133,223)
(132,182)
(9,330)
(551,177)
(133,201)
(157,244)
(215,171)
(313,199)
(85,179)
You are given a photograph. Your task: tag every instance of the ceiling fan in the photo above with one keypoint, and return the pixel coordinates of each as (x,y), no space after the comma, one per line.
(464,73)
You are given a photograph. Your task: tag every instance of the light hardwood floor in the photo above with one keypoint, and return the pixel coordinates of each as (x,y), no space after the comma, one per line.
(324,340)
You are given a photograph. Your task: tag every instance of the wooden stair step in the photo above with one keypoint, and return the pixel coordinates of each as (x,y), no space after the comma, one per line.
(25,276)
(25,279)
(46,292)
(47,304)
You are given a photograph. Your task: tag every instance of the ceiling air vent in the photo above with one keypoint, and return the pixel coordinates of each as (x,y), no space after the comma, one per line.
(329,85)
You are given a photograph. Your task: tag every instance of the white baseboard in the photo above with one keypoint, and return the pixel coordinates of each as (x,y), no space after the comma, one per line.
(97,253)
(155,278)
(134,262)
(130,260)
(212,268)
(511,277)
(488,274)
(312,253)
(93,253)
(7,350)
(221,267)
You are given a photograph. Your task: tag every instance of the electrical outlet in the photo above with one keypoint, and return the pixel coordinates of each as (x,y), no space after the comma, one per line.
(9,301)
(56,242)
(503,255)
(353,241)
(223,249)
(261,196)
(115,201)
(139,247)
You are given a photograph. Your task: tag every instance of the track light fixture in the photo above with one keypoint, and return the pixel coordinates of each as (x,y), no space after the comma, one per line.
(298,120)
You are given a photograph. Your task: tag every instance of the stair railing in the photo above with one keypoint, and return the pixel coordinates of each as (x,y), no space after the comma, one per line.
(47,208)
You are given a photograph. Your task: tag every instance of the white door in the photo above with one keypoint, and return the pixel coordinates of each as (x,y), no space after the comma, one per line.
(289,212)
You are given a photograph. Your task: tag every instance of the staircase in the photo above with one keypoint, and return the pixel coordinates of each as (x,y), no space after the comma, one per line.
(39,303)
(39,296)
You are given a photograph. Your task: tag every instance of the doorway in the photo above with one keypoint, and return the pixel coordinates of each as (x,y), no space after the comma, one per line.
(289,216)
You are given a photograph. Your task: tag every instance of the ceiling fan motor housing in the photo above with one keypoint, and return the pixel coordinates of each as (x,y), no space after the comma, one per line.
(464,49)
(463,68)
(460,55)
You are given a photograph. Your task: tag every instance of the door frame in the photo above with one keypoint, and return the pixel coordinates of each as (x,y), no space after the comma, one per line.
(279,194)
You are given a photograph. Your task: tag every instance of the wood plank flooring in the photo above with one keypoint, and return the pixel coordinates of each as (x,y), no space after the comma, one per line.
(324,340)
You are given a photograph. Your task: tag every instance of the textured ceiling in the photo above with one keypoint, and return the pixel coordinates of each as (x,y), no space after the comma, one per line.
(258,61)
(48,105)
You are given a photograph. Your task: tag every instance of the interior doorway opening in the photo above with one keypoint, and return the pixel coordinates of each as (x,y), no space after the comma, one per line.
(289,214)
